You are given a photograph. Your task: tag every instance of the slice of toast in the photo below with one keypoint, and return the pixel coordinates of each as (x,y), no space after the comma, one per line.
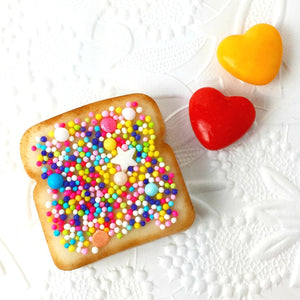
(105,179)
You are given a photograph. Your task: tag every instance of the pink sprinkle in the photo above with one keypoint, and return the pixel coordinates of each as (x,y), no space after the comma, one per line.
(134,104)
(141,191)
(112,225)
(135,194)
(84,251)
(171,175)
(168,223)
(161,170)
(33,148)
(94,122)
(127,217)
(173,197)
(83,124)
(77,134)
(91,128)
(91,114)
(82,134)
(175,213)
(38,163)
(156,215)
(142,117)
(97,225)
(111,233)
(48,143)
(124,147)
(105,114)
(77,121)
(151,211)
(115,117)
(108,125)
(157,222)
(135,185)
(85,228)
(128,104)
(112,114)
(62,125)
(145,139)
(148,159)
(118,168)
(157,179)
(136,168)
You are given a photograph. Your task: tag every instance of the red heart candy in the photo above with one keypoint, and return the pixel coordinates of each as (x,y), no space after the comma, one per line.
(217,120)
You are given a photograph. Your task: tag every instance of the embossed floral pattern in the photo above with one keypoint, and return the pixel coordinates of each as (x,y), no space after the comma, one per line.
(57,55)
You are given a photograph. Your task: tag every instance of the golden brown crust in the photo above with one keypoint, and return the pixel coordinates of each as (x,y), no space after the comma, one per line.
(63,258)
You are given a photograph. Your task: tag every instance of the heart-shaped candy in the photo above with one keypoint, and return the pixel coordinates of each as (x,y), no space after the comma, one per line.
(217,120)
(254,57)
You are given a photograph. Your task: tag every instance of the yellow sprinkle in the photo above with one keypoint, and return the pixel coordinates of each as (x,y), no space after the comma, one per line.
(137,225)
(142,169)
(110,144)
(78,198)
(86,243)
(112,171)
(71,124)
(106,175)
(151,131)
(92,229)
(166,206)
(132,179)
(161,219)
(128,123)
(134,174)
(68,211)
(159,196)
(131,139)
(151,147)
(145,131)
(110,190)
(40,157)
(62,241)
(71,248)
(71,202)
(142,177)
(98,117)
(147,164)
(51,133)
(80,143)
(151,142)
(151,153)
(114,152)
(119,126)
(106,181)
(72,131)
(49,219)
(155,174)
(119,215)
(106,229)
(147,119)
(119,192)
(156,153)
(118,110)
(162,213)
(130,129)
(100,220)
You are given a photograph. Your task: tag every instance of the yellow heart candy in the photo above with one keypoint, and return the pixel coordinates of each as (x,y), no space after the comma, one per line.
(254,57)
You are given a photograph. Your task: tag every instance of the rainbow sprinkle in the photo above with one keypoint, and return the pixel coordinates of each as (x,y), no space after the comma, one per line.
(106,177)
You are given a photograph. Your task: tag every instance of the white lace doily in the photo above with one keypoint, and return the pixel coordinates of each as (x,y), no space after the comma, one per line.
(245,242)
